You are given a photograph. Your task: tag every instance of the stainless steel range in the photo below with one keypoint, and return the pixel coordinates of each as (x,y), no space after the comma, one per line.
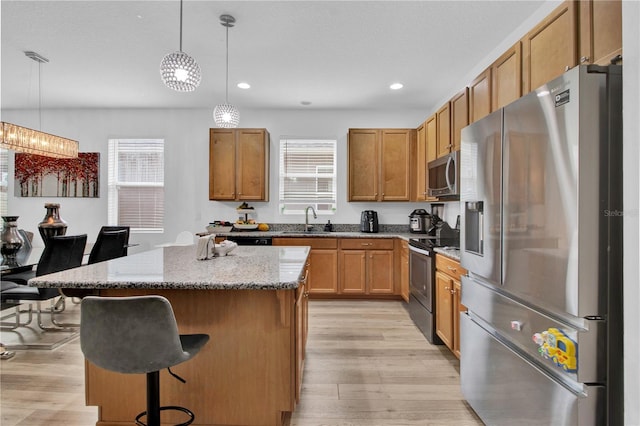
(421,286)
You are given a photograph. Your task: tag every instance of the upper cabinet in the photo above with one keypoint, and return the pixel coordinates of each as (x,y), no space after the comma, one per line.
(238,164)
(551,47)
(600,31)
(425,152)
(506,75)
(443,129)
(459,117)
(480,96)
(381,166)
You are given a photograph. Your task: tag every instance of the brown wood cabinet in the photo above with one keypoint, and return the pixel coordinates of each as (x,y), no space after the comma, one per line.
(600,31)
(425,152)
(506,74)
(551,47)
(448,306)
(323,263)
(366,266)
(459,117)
(443,129)
(402,247)
(381,166)
(238,164)
(302,329)
(480,96)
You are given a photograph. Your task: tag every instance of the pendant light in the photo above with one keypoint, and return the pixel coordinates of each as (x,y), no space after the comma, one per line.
(226,115)
(23,139)
(178,70)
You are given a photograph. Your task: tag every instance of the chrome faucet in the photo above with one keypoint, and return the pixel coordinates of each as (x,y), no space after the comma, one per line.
(307,228)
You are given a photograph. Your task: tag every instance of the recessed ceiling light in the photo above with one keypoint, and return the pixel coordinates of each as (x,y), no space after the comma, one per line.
(396,86)
(244,85)
(305,103)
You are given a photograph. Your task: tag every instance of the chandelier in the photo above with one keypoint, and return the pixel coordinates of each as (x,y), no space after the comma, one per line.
(226,115)
(178,70)
(23,139)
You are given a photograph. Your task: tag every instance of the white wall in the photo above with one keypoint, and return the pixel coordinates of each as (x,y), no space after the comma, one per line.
(186,134)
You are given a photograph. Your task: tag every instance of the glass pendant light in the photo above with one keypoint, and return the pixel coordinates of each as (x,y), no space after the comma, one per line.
(178,70)
(226,115)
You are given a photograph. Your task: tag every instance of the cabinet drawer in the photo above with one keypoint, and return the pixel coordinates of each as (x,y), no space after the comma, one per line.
(366,244)
(314,243)
(450,267)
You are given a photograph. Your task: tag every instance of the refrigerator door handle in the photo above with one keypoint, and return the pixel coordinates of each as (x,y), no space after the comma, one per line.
(481,231)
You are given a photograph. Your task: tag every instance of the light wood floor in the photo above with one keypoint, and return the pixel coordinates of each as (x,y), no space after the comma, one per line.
(367,365)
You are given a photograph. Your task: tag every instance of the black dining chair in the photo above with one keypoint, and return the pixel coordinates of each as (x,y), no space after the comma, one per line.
(109,245)
(111,228)
(61,253)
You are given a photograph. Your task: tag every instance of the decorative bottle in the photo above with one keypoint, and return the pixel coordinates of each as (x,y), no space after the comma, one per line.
(11,240)
(52,225)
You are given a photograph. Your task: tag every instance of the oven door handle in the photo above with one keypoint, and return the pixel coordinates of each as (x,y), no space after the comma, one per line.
(419,250)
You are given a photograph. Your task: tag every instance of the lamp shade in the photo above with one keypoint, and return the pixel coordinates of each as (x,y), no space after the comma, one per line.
(23,139)
(180,72)
(226,116)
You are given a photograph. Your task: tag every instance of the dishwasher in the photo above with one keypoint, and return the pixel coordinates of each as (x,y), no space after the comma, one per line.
(250,240)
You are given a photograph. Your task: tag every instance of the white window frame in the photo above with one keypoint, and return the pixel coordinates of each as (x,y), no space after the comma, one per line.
(317,200)
(114,185)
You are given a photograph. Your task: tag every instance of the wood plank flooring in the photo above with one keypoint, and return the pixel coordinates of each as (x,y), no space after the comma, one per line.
(366,365)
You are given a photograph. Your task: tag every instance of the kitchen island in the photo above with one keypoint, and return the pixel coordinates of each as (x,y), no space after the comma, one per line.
(252,303)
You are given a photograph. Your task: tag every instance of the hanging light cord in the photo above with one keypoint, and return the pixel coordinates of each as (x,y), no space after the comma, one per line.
(181,25)
(226,96)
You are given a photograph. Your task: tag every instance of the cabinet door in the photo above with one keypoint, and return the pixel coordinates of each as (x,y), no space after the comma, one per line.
(600,31)
(480,96)
(404,270)
(252,150)
(444,308)
(443,120)
(299,339)
(396,149)
(551,47)
(421,163)
(506,73)
(459,117)
(363,164)
(323,272)
(457,309)
(431,135)
(380,272)
(222,165)
(353,271)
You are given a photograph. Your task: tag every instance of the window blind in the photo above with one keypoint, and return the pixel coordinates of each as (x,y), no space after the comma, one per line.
(136,184)
(4,181)
(307,175)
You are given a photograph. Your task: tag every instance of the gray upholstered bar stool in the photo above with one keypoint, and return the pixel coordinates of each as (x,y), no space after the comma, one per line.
(135,335)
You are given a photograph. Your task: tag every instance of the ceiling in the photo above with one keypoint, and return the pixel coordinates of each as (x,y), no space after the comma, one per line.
(333,54)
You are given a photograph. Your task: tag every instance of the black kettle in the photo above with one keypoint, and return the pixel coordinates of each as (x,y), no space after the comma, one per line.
(369,221)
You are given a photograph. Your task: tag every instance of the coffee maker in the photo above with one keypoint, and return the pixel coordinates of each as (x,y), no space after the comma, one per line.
(369,221)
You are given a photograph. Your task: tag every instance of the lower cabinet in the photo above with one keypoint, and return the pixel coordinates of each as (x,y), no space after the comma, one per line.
(323,262)
(366,266)
(448,306)
(301,331)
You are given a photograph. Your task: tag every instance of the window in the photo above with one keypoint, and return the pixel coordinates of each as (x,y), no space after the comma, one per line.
(136,184)
(307,175)
(4,181)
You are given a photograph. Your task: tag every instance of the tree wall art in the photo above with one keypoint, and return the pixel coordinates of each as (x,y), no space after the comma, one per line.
(38,176)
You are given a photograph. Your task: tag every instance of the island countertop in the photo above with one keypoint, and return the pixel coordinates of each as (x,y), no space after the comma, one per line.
(176,267)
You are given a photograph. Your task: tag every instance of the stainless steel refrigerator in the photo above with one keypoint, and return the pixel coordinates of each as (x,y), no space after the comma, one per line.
(541,237)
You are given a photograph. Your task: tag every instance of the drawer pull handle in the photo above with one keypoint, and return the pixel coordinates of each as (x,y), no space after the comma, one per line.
(452,269)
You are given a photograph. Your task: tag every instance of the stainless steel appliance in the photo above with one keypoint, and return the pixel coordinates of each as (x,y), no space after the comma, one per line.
(250,240)
(419,221)
(369,221)
(541,342)
(444,176)
(422,287)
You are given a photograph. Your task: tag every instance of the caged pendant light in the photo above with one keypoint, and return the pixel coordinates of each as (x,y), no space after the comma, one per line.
(178,70)
(30,141)
(226,115)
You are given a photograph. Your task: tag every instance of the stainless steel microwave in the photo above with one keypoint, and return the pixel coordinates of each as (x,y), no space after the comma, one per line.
(444,176)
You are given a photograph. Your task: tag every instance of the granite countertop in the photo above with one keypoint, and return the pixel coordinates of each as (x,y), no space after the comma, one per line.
(450,252)
(318,234)
(176,267)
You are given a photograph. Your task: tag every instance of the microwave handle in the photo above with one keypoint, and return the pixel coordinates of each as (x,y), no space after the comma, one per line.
(446,174)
